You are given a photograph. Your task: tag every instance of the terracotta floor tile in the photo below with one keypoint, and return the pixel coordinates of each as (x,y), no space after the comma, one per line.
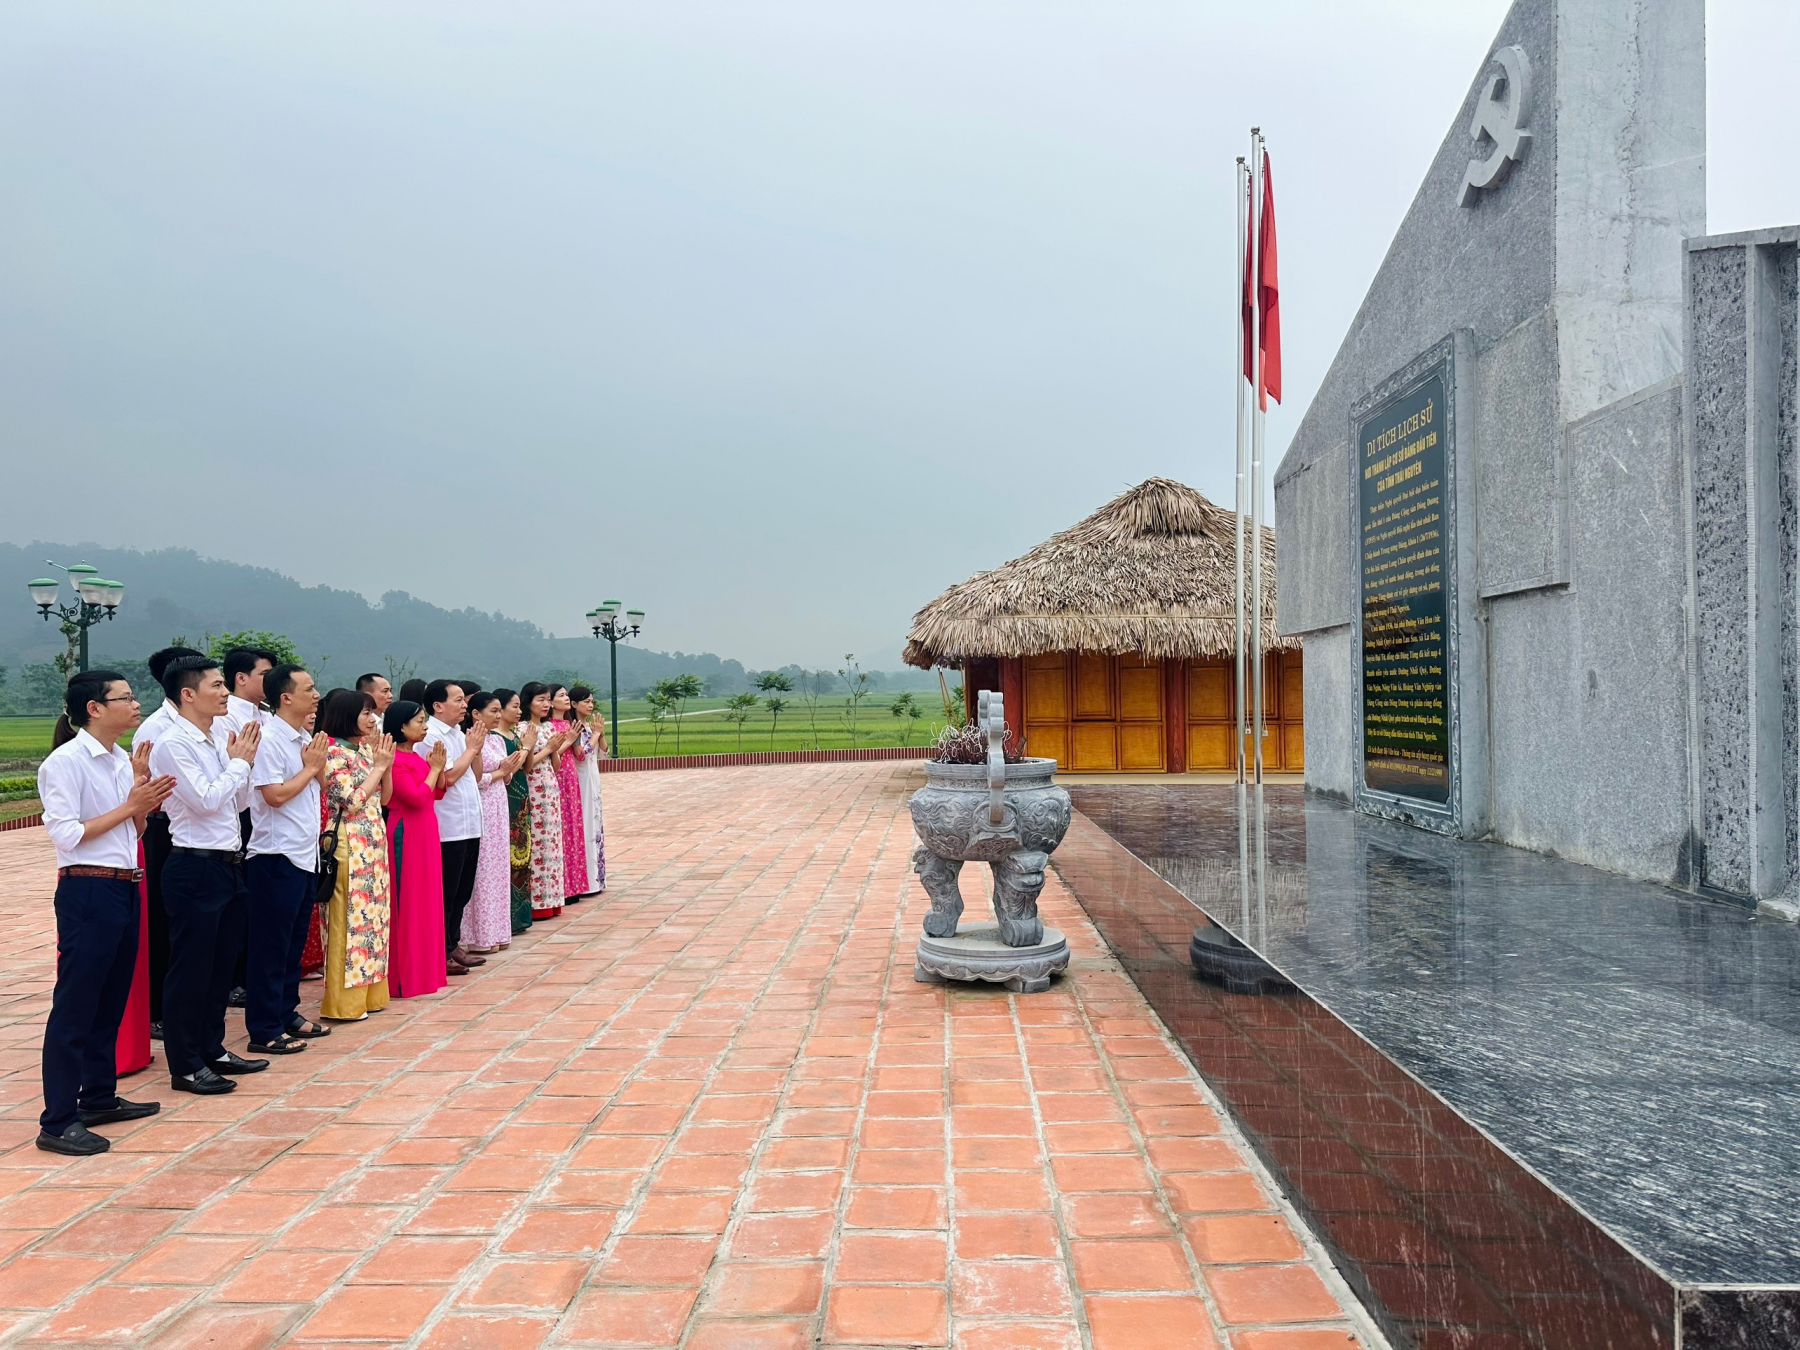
(363,1311)
(471,1212)
(589,1189)
(635,1317)
(1271,1294)
(254,1212)
(112,1232)
(1214,1192)
(989,1236)
(419,1260)
(805,1154)
(682,1212)
(1001,1190)
(180,1259)
(571,1232)
(885,1315)
(546,1283)
(286,1277)
(896,1207)
(1195,1155)
(1010,1289)
(486,1331)
(899,1167)
(1137,1264)
(49,1207)
(785,1334)
(1149,1323)
(1089,1137)
(771,1237)
(43,1281)
(795,1190)
(1017,1336)
(997,1151)
(746,1288)
(1099,1172)
(1284,1339)
(1115,1214)
(659,1260)
(877,1259)
(226,1328)
(114,1313)
(1228,1239)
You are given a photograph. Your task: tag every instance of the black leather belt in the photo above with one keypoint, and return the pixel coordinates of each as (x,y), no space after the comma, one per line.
(225,855)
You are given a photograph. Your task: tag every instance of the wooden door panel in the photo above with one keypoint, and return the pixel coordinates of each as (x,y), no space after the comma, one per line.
(1046,688)
(1271,687)
(1293,746)
(1209,746)
(1141,747)
(1093,747)
(1050,740)
(1209,692)
(1093,685)
(1140,692)
(1293,687)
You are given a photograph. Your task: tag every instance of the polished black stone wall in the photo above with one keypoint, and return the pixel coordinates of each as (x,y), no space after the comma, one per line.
(1457,1118)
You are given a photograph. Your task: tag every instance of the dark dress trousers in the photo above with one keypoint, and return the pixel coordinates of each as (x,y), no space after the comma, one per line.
(96,957)
(280,913)
(204,895)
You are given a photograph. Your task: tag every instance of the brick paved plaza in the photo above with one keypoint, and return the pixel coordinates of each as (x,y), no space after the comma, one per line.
(710,1109)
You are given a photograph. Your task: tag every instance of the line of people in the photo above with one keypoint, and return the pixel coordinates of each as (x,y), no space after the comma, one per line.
(262,829)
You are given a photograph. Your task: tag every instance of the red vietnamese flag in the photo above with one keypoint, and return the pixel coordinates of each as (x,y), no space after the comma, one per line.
(1269,296)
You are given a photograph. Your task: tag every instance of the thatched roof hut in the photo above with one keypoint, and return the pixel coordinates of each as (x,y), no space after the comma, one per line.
(1150,573)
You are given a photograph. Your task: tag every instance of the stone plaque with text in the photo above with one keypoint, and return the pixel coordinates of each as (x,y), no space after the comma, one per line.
(1405,531)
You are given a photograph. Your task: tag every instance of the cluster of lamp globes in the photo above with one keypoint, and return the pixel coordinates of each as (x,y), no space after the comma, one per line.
(608,621)
(93,590)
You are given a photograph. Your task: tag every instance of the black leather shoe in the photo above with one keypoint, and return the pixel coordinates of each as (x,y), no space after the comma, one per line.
(231,1062)
(203,1082)
(156,1031)
(77,1141)
(120,1110)
(237,997)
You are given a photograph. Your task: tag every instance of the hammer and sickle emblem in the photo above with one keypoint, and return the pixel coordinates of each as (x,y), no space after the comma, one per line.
(1500,115)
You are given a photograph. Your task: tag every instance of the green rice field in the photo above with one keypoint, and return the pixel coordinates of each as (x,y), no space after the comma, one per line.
(704,729)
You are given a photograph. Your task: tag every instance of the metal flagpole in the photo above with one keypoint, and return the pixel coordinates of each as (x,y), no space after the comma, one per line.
(1243,450)
(1257,417)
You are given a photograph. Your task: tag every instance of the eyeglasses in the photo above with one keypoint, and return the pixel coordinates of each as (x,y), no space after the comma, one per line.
(121,698)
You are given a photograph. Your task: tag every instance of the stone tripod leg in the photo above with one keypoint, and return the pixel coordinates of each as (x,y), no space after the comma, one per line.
(938,875)
(1018,879)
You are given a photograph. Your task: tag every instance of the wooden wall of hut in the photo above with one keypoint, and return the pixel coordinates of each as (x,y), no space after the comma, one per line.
(1097,713)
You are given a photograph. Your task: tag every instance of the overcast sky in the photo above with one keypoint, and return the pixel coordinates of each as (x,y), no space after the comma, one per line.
(771,318)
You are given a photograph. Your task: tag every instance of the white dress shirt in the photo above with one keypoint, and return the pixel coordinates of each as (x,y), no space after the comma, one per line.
(203,807)
(80,780)
(240,713)
(291,829)
(459,809)
(156,725)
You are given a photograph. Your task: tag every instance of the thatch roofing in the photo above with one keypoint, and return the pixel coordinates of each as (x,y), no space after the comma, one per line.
(1149,572)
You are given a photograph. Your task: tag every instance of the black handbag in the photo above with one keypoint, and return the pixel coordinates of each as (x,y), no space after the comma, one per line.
(327,871)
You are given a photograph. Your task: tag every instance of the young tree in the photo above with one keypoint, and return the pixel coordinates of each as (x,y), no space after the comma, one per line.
(661,701)
(774,705)
(676,692)
(906,708)
(856,683)
(812,688)
(738,709)
(279,644)
(774,682)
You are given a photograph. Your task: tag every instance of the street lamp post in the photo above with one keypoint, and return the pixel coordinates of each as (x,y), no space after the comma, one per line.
(607,622)
(95,599)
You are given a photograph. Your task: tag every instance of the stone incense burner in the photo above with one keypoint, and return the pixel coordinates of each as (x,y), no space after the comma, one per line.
(1012,817)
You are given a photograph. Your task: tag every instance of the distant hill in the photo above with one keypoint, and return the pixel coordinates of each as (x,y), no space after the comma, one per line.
(176,592)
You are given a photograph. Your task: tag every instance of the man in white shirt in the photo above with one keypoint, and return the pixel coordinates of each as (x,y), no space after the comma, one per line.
(203,881)
(458,813)
(156,837)
(244,671)
(377,687)
(284,856)
(95,799)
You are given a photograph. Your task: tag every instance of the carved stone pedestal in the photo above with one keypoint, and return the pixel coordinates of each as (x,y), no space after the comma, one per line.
(977,953)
